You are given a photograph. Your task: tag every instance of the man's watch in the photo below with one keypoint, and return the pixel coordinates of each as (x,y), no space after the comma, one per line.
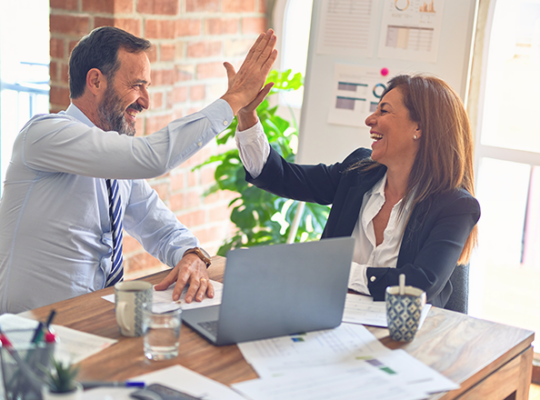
(202,253)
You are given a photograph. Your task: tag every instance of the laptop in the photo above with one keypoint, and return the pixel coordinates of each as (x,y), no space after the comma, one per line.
(278,290)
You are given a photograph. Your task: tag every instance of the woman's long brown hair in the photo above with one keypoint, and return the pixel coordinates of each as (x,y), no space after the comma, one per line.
(445,156)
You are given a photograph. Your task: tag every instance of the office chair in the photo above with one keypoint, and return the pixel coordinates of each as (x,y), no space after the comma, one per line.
(459,299)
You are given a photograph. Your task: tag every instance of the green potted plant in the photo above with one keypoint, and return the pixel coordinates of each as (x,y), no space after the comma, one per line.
(61,383)
(262,218)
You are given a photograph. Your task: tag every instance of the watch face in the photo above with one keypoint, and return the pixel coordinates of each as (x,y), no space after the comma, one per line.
(205,253)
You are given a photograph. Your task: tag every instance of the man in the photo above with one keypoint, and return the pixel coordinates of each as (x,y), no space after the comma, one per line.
(76,178)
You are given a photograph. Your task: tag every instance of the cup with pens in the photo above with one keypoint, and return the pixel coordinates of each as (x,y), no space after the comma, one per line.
(25,355)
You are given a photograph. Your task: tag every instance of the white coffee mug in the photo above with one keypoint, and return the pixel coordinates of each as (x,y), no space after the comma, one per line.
(131,299)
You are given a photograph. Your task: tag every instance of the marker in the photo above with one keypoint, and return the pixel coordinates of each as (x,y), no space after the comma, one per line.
(94,384)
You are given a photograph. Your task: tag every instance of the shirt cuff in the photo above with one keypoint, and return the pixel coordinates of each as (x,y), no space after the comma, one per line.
(254,148)
(220,114)
(358,278)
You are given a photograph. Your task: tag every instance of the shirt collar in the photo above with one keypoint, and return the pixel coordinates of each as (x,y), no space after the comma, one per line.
(75,112)
(378,189)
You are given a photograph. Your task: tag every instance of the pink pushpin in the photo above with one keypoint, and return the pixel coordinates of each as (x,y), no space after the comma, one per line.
(384,71)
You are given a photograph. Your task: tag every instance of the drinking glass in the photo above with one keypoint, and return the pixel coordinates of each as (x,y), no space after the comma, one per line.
(161,334)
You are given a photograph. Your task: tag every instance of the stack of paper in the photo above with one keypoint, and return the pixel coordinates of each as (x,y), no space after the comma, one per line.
(360,309)
(342,363)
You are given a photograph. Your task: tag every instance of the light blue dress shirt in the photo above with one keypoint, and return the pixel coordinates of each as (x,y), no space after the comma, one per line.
(55,232)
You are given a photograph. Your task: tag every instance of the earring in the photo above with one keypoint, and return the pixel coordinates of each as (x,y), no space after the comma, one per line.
(415,137)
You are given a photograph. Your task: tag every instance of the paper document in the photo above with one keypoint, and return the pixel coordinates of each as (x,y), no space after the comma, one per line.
(357,382)
(74,346)
(347,27)
(175,377)
(360,309)
(162,300)
(283,355)
(411,30)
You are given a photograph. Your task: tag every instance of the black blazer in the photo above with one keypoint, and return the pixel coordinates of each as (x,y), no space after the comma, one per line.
(434,236)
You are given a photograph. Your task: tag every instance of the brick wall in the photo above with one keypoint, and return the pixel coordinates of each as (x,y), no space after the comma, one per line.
(191,39)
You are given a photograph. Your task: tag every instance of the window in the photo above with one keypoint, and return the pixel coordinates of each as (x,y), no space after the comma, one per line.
(505,271)
(24,68)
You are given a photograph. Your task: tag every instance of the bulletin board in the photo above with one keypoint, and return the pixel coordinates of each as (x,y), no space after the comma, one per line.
(356,46)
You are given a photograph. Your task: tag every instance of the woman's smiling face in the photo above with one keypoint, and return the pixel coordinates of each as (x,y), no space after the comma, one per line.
(396,135)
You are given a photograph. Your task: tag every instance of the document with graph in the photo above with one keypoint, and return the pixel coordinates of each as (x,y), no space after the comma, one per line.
(411,30)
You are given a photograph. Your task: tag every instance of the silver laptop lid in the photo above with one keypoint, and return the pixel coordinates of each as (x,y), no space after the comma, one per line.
(277,290)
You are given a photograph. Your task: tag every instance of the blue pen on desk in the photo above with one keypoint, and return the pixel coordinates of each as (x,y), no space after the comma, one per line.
(128,384)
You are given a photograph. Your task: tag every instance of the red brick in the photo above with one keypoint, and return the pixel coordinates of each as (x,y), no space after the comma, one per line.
(197,92)
(167,51)
(64,73)
(162,7)
(143,261)
(162,190)
(159,29)
(193,178)
(237,47)
(179,49)
(162,77)
(184,72)
(152,54)
(157,100)
(53,71)
(262,6)
(56,48)
(238,6)
(202,5)
(130,25)
(253,25)
(108,6)
(178,113)
(207,235)
(69,24)
(64,4)
(203,49)
(180,94)
(207,175)
(187,27)
(131,245)
(155,123)
(72,45)
(183,201)
(193,218)
(220,26)
(211,70)
(168,102)
(59,96)
(178,181)
(219,213)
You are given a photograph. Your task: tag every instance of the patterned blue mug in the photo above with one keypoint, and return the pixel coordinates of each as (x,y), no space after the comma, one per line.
(131,299)
(403,311)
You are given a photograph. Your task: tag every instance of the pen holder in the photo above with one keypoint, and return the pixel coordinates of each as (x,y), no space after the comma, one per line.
(24,365)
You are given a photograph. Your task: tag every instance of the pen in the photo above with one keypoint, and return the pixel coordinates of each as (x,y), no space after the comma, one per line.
(94,384)
(50,318)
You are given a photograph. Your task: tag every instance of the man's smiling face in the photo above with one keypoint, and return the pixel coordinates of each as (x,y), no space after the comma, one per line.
(126,94)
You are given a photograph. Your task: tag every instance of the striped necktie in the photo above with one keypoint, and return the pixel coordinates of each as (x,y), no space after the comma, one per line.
(115,214)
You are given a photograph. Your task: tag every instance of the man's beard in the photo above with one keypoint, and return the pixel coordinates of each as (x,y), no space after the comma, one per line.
(111,115)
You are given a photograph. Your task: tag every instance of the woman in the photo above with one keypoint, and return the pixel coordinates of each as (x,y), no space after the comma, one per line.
(408,203)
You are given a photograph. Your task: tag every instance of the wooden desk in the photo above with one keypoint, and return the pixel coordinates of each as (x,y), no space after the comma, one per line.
(488,360)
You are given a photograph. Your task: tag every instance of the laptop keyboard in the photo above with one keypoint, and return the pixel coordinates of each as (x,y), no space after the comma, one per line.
(210,326)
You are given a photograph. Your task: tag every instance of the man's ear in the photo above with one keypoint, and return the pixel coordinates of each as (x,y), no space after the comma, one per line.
(95,81)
